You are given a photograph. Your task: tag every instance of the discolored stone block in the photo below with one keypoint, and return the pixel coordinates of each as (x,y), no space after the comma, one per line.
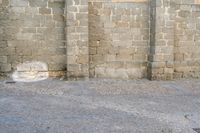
(5,67)
(3,59)
(44,11)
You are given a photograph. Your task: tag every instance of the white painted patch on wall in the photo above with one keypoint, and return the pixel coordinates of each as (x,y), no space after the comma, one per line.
(31,72)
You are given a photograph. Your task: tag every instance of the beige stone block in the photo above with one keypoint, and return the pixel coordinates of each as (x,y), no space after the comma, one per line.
(134,73)
(5,67)
(116,73)
(116,64)
(168,70)
(83,59)
(57,73)
(44,10)
(92,51)
(110,57)
(98,58)
(182,69)
(58,17)
(113,50)
(177,75)
(157,64)
(110,72)
(18,10)
(24,36)
(3,59)
(100,72)
(170,64)
(72,50)
(71,59)
(133,64)
(178,56)
(73,67)
(124,57)
(122,24)
(158,71)
(128,51)
(140,57)
(195,68)
(102,50)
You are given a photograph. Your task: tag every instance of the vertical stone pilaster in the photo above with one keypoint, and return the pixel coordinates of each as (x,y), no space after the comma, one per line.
(161,58)
(77,39)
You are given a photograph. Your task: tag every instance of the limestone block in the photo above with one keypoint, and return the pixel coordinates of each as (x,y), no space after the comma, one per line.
(5,3)
(116,64)
(58,17)
(82,59)
(184,69)
(169,70)
(179,57)
(29,30)
(157,64)
(124,57)
(3,59)
(117,73)
(110,57)
(92,51)
(73,67)
(18,10)
(177,75)
(134,73)
(100,72)
(19,3)
(56,4)
(71,59)
(38,3)
(44,11)
(56,66)
(31,10)
(5,67)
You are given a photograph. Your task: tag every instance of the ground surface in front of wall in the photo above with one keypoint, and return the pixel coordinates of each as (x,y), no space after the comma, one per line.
(100,106)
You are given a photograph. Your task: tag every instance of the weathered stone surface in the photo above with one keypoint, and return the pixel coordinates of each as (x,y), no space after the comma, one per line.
(114,38)
(77,39)
(44,11)
(30,32)
(158,39)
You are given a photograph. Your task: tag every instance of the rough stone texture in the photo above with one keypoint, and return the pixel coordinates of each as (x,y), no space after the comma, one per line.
(77,39)
(118,39)
(32,31)
(187,41)
(174,40)
(161,55)
(158,39)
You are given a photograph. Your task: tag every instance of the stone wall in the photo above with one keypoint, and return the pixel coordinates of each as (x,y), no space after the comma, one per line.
(32,30)
(161,57)
(77,39)
(187,40)
(118,39)
(157,39)
(174,43)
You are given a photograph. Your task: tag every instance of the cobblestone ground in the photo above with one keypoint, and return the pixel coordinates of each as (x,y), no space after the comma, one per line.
(100,106)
